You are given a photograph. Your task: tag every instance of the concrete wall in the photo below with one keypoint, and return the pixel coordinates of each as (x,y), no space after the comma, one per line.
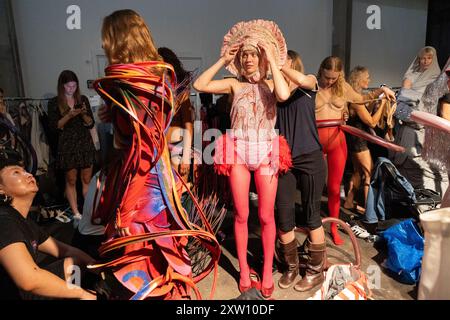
(194,29)
(8,69)
(388,52)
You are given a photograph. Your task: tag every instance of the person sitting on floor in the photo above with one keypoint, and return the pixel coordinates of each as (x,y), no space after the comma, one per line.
(21,240)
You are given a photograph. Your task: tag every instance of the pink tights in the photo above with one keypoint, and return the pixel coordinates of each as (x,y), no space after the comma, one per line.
(266,186)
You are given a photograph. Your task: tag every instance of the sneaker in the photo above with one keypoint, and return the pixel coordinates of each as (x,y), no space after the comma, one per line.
(373,238)
(76,219)
(360,232)
(62,217)
(77,216)
(253,196)
(342,192)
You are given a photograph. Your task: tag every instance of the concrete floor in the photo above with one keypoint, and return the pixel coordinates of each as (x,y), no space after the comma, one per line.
(386,287)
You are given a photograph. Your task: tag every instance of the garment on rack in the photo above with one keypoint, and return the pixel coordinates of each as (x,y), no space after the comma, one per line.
(39,141)
(22,119)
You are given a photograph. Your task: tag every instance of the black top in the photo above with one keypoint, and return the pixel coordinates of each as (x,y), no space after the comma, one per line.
(76,149)
(296,121)
(14,228)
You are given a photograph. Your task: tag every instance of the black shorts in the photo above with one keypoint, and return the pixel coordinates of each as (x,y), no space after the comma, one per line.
(308,175)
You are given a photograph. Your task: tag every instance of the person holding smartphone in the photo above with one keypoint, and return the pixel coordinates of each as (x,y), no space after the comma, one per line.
(70,115)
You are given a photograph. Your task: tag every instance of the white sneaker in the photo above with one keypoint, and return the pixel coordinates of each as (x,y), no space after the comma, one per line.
(76,219)
(360,232)
(342,192)
(253,196)
(77,216)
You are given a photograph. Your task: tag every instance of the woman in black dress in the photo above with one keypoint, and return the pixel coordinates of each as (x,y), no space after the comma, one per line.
(71,115)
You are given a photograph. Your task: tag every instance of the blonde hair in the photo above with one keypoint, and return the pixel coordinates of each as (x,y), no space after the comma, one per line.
(297,63)
(355,76)
(426,50)
(127,39)
(334,64)
(422,52)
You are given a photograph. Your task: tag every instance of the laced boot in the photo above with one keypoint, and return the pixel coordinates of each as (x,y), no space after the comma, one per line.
(290,258)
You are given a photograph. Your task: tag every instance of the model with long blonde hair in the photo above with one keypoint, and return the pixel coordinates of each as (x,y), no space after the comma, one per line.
(361,118)
(331,103)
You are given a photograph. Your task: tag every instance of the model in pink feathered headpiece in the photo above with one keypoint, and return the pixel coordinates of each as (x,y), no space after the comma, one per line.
(248,34)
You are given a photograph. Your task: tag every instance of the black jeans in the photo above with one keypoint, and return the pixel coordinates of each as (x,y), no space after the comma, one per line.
(308,173)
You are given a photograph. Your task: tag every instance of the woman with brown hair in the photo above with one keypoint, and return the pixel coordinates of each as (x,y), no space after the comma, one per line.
(331,103)
(71,116)
(181,130)
(296,121)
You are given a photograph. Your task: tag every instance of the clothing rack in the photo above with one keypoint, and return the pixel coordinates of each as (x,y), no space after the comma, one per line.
(25,99)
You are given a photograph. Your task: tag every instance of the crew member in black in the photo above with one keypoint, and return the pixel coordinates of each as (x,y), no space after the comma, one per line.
(21,239)
(296,121)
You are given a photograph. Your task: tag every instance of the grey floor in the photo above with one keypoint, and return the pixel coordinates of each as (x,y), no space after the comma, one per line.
(384,286)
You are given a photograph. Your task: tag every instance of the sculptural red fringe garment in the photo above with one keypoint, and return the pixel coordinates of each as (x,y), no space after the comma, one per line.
(141,192)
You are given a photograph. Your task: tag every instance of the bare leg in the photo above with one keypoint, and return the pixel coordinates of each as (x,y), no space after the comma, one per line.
(71,190)
(86,175)
(355,183)
(366,165)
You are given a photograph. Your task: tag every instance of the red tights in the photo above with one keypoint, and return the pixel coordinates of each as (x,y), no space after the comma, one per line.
(335,148)
(266,186)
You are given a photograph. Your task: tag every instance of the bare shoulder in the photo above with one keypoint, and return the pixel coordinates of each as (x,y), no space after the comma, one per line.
(347,87)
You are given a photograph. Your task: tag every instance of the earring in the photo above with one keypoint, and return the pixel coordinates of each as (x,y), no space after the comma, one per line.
(5,199)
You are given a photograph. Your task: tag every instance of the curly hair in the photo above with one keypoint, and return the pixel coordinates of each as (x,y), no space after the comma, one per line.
(355,76)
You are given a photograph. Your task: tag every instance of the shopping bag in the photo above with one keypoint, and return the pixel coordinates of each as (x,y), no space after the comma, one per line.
(435,277)
(405,250)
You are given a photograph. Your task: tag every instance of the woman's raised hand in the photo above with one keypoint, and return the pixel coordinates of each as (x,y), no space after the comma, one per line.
(389,93)
(230,53)
(268,50)
(75,112)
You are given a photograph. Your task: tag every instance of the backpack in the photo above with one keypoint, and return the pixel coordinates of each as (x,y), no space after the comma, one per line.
(399,192)
(391,195)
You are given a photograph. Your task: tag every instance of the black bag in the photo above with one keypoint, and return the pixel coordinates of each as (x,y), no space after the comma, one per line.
(399,197)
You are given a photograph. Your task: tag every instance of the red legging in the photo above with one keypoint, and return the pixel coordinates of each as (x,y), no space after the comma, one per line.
(266,186)
(335,147)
